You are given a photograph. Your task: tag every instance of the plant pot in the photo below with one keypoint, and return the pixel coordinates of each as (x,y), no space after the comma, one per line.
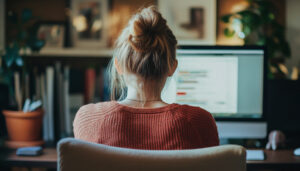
(24,127)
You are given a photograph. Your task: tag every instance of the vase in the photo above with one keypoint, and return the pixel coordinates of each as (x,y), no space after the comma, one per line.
(24,128)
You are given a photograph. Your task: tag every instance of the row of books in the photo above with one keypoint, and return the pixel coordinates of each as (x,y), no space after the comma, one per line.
(44,90)
(63,91)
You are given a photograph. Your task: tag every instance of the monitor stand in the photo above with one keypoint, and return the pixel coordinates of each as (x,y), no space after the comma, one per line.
(242,129)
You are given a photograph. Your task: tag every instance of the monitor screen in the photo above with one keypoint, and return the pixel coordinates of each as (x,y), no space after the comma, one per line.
(226,82)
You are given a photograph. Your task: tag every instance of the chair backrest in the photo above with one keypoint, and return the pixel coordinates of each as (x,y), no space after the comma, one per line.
(78,155)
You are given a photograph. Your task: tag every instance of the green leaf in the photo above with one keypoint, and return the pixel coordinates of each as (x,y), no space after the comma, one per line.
(26,15)
(228,32)
(271,16)
(250,19)
(8,60)
(19,61)
(247,30)
(226,18)
(261,42)
(12,54)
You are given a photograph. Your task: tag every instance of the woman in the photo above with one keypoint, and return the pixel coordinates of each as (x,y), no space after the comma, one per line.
(144,58)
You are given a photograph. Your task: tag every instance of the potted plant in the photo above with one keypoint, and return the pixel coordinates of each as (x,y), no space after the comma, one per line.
(24,128)
(23,124)
(257,25)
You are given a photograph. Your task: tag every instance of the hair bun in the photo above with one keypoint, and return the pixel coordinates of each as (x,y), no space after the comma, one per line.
(148,29)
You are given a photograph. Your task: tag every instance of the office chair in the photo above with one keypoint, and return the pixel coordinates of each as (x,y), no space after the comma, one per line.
(80,155)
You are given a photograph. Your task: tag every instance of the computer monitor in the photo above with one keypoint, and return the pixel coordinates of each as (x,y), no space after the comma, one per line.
(227,81)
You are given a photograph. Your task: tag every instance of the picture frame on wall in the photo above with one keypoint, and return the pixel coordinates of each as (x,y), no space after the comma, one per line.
(89,23)
(193,22)
(53,33)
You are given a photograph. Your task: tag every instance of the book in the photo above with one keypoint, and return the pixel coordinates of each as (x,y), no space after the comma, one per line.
(76,101)
(99,86)
(89,87)
(106,89)
(45,107)
(68,121)
(18,91)
(59,102)
(50,100)
(38,91)
(27,86)
(63,123)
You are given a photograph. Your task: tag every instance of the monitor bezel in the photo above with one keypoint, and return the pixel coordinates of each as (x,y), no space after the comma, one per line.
(265,71)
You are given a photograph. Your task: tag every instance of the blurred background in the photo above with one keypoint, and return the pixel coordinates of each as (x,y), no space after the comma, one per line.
(57,51)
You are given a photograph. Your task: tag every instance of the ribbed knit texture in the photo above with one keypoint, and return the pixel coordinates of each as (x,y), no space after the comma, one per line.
(166,128)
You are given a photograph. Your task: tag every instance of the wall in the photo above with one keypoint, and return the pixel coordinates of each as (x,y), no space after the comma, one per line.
(42,10)
(120,13)
(293,31)
(50,10)
(121,10)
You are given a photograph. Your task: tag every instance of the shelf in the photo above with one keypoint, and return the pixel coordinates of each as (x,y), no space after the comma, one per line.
(72,52)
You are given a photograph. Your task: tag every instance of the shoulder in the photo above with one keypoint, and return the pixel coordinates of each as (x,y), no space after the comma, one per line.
(87,119)
(196,114)
(97,108)
(194,111)
(92,112)
(203,122)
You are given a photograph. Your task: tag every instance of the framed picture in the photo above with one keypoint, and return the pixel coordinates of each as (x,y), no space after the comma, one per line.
(53,34)
(193,22)
(89,23)
(2,25)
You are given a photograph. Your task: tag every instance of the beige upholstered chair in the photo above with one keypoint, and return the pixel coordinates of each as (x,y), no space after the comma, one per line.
(78,155)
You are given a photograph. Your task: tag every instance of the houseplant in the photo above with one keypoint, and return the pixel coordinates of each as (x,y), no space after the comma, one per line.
(24,128)
(257,25)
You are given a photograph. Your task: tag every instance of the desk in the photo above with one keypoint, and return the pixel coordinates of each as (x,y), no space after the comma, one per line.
(277,160)
(47,160)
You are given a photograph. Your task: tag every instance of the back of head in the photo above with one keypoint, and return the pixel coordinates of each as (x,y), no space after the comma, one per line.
(146,48)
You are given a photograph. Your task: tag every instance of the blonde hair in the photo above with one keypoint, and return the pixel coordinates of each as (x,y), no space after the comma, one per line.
(146,48)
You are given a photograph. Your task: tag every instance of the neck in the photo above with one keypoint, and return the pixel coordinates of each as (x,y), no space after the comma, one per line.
(141,90)
(150,95)
(151,99)
(143,94)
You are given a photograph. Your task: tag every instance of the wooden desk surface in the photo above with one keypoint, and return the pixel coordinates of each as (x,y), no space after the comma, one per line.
(279,159)
(47,160)
(274,159)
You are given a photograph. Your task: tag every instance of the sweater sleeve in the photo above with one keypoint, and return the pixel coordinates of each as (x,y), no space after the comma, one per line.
(204,122)
(83,125)
(212,132)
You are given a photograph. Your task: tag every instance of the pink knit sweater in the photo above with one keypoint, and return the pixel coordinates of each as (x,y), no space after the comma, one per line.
(166,128)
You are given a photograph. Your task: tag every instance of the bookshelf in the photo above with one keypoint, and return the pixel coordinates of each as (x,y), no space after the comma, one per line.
(74,53)
(77,77)
(75,58)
